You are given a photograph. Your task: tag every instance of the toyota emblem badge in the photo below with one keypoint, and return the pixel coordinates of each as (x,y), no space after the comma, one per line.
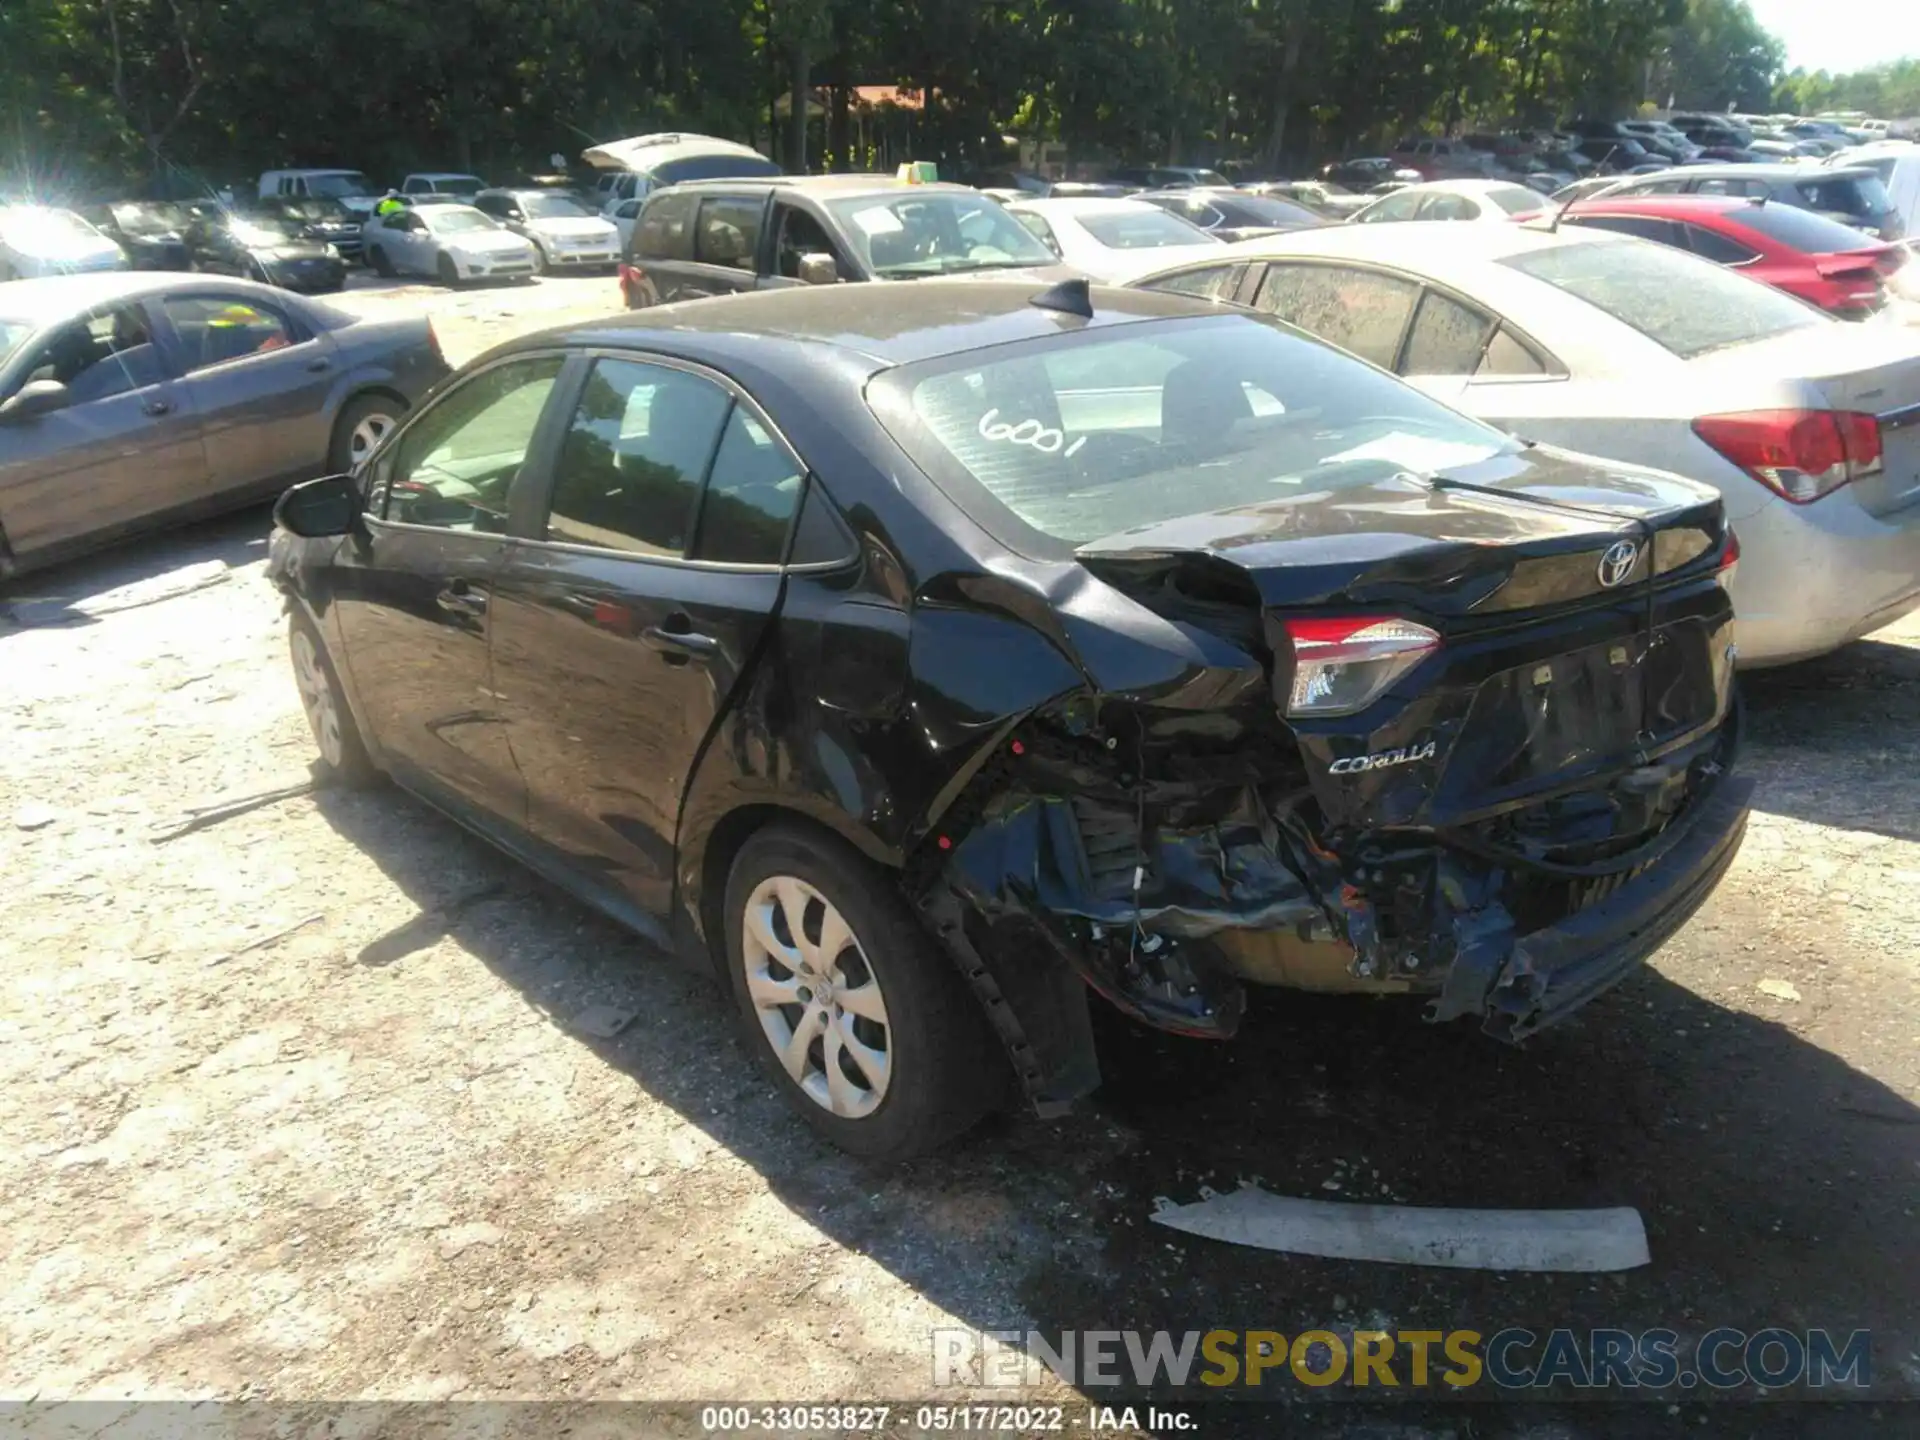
(1618,562)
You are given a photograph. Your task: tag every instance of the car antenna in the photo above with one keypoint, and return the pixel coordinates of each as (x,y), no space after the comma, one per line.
(1553,225)
(1070,297)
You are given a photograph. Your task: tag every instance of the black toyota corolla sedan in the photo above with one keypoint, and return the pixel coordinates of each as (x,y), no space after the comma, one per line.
(931,668)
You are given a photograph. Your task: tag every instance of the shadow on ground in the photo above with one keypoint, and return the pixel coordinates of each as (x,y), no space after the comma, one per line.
(139,572)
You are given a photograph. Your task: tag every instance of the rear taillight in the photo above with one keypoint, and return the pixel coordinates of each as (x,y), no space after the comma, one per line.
(1343,665)
(1800,455)
(1729,561)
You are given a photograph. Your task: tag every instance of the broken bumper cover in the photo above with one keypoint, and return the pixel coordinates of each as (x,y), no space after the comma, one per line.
(1527,984)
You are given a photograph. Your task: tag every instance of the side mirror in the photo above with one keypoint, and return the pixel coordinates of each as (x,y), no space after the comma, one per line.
(36,397)
(315,508)
(819,268)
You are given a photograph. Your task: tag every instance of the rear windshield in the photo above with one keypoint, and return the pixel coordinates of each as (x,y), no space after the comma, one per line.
(1146,229)
(1802,229)
(1862,195)
(1265,210)
(1515,199)
(1082,436)
(346,182)
(1681,302)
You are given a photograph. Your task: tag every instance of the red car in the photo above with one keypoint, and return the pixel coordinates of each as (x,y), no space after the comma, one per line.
(1840,269)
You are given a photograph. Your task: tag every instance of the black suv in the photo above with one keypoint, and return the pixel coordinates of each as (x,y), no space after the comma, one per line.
(719,237)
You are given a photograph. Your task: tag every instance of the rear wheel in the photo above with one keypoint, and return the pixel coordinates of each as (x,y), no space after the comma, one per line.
(343,756)
(869,1032)
(362,425)
(377,258)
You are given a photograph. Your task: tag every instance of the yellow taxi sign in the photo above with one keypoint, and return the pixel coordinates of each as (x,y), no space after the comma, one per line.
(918,172)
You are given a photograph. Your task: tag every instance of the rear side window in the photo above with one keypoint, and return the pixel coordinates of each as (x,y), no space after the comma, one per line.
(1678,301)
(729,231)
(1357,310)
(750,497)
(1037,228)
(1804,230)
(1721,249)
(633,458)
(1644,227)
(1514,199)
(1861,195)
(665,231)
(1447,338)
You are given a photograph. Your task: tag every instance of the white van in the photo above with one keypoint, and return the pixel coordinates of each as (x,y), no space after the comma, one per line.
(631,168)
(350,187)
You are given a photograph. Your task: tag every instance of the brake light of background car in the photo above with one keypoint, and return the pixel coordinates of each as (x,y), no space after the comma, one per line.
(1800,455)
(1344,663)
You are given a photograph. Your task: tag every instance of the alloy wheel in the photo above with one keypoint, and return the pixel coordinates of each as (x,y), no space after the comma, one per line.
(317,698)
(817,999)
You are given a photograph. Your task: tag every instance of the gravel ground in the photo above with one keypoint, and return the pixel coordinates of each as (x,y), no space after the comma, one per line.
(317,1100)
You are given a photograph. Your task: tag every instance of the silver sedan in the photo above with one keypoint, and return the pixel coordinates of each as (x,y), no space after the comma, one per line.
(1808,426)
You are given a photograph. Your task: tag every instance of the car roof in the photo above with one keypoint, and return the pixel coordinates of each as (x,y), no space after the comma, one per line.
(918,320)
(52,297)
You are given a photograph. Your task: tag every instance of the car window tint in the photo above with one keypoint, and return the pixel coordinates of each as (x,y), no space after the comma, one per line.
(1446,339)
(1210,283)
(1676,300)
(665,231)
(1712,245)
(1507,356)
(633,457)
(214,329)
(1355,309)
(454,466)
(1037,228)
(100,357)
(729,231)
(1803,230)
(1645,227)
(800,235)
(750,497)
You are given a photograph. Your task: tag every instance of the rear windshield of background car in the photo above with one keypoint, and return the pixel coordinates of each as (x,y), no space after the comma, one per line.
(1515,199)
(1802,229)
(1149,229)
(1084,435)
(1683,303)
(712,167)
(1862,195)
(1265,210)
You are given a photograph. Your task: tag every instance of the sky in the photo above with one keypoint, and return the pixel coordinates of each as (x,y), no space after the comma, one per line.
(1840,35)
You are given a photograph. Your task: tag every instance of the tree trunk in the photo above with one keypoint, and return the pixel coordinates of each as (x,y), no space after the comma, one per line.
(1283,93)
(840,129)
(797,118)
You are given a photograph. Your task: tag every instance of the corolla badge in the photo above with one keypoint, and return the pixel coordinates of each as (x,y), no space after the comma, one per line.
(1405,755)
(1618,562)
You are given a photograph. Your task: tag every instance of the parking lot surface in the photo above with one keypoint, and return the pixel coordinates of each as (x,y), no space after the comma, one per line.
(322,1098)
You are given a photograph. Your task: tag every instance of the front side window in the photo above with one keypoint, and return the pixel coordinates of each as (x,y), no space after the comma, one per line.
(633,458)
(456,463)
(1358,310)
(729,231)
(1092,434)
(902,235)
(214,329)
(1680,302)
(96,358)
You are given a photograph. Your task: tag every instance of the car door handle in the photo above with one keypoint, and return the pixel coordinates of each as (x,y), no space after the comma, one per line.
(461,599)
(318,365)
(679,643)
(157,407)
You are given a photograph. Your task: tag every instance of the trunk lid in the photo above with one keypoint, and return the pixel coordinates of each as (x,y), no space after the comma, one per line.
(1871,369)
(1548,677)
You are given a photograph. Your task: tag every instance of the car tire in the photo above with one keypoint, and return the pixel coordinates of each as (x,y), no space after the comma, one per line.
(445,270)
(541,264)
(344,760)
(364,422)
(383,267)
(914,1064)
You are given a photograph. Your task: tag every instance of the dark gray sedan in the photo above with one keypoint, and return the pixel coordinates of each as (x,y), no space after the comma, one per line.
(133,401)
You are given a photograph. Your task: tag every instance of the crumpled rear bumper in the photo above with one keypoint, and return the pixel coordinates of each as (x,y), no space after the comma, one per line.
(1522,986)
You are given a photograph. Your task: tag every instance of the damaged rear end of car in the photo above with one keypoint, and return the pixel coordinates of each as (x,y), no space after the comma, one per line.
(1342,692)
